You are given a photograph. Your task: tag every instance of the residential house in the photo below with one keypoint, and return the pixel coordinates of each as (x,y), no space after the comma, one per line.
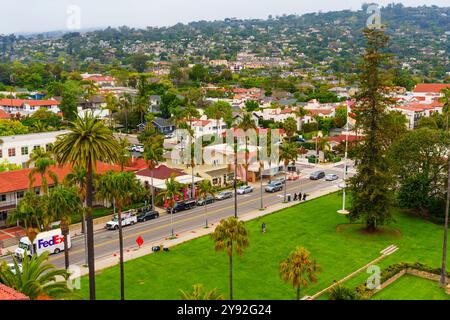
(164,126)
(28,107)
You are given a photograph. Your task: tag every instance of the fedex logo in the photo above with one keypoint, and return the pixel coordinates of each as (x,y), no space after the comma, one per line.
(55,240)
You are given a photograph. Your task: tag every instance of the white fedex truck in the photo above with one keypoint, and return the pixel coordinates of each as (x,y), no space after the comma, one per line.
(50,241)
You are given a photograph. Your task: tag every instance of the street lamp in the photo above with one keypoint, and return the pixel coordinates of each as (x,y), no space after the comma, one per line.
(344,186)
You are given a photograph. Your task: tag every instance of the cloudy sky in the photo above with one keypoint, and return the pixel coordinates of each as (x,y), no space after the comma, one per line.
(50,15)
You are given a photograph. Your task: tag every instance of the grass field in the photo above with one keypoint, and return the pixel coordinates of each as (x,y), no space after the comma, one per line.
(409,287)
(339,249)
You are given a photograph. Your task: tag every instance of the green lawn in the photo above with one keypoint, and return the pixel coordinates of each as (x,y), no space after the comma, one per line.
(312,225)
(409,287)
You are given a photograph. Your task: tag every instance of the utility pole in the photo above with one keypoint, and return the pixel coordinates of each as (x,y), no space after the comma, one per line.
(344,211)
(235,178)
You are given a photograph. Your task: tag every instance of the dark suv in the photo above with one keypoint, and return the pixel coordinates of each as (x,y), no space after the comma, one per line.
(182,206)
(147,215)
(317,175)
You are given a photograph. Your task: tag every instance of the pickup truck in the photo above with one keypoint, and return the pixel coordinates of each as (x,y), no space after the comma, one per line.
(128,219)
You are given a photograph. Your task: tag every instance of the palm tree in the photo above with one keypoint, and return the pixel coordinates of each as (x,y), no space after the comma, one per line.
(299,269)
(206,189)
(246,124)
(124,154)
(37,278)
(288,154)
(153,154)
(88,142)
(169,196)
(231,235)
(126,104)
(41,161)
(199,293)
(343,293)
(141,106)
(62,202)
(30,211)
(119,188)
(301,113)
(111,105)
(217,111)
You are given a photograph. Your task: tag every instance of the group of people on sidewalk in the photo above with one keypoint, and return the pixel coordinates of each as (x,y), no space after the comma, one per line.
(300,196)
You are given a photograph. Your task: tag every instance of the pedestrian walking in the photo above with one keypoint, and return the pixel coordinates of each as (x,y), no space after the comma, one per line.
(263,227)
(304,196)
(295,196)
(299,196)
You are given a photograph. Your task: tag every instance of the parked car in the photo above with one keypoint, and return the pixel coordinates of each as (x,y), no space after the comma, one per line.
(207,200)
(182,206)
(224,195)
(331,177)
(244,189)
(132,147)
(139,149)
(169,136)
(129,218)
(298,139)
(274,186)
(317,175)
(147,215)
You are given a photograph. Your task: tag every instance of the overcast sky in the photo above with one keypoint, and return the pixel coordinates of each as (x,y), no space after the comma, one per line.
(50,15)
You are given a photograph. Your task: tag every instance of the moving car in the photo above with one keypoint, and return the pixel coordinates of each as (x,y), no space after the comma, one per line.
(244,190)
(50,241)
(182,206)
(224,195)
(274,186)
(147,215)
(207,200)
(129,218)
(331,177)
(317,175)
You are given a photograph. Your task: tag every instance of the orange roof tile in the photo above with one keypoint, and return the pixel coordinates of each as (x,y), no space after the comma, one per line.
(431,87)
(7,293)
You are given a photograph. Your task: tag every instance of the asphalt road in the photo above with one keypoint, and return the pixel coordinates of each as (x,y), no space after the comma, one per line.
(106,242)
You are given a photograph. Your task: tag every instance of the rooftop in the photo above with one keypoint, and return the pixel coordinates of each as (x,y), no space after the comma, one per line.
(7,293)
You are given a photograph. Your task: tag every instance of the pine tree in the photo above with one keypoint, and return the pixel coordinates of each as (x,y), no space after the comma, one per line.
(372,195)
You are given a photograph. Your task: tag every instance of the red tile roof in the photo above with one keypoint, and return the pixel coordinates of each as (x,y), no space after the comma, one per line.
(3,114)
(33,103)
(431,87)
(7,293)
(162,172)
(17,180)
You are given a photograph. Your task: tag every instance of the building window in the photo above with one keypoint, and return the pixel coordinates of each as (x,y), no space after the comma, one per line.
(11,152)
(48,147)
(3,215)
(2,197)
(24,151)
(20,194)
(36,147)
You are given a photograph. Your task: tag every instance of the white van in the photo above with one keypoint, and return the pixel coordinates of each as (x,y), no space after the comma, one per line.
(50,241)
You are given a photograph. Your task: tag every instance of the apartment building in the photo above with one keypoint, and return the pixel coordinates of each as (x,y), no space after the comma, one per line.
(28,107)
(17,149)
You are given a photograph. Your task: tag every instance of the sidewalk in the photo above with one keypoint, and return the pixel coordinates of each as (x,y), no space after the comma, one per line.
(146,249)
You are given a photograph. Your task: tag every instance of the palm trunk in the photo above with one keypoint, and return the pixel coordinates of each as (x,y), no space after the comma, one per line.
(261,184)
(246,161)
(235,185)
(206,214)
(285,183)
(171,220)
(90,232)
(192,186)
(298,293)
(122,273)
(444,251)
(231,276)
(153,189)
(66,246)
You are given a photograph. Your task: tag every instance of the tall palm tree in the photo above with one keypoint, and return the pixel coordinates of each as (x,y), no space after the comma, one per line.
(111,105)
(169,196)
(62,203)
(288,154)
(206,189)
(126,103)
(301,113)
(37,278)
(119,188)
(153,154)
(443,277)
(41,161)
(124,155)
(88,142)
(246,124)
(199,293)
(30,212)
(231,235)
(299,269)
(141,106)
